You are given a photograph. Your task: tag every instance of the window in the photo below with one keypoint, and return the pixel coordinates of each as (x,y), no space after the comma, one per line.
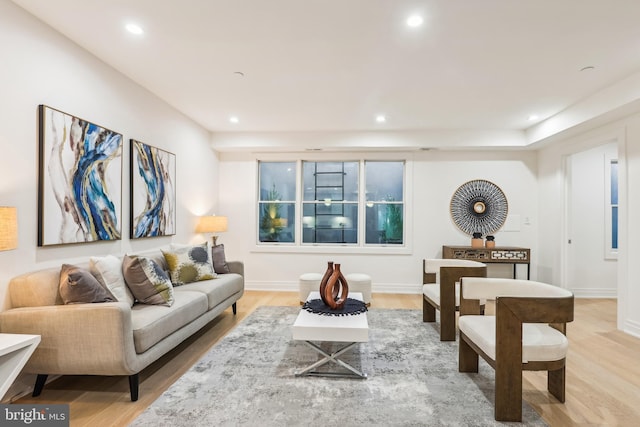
(330,202)
(613,201)
(332,206)
(276,202)
(384,201)
(611,208)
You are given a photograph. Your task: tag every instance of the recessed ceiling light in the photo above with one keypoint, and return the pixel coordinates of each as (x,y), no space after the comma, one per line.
(380,118)
(234,119)
(415,21)
(533,117)
(134,29)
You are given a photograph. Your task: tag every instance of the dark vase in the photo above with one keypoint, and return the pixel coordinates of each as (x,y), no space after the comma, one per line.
(337,289)
(325,279)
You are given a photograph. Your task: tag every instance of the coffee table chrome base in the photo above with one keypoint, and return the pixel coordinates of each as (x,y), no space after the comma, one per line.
(333,357)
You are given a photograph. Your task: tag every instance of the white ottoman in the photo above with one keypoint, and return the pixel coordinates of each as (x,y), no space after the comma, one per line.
(359,282)
(309,282)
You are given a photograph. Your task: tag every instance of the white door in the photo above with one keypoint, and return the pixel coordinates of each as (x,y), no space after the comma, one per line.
(591,271)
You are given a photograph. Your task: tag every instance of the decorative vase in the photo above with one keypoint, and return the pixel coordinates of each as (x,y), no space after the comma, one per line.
(336,290)
(490,242)
(476,241)
(325,279)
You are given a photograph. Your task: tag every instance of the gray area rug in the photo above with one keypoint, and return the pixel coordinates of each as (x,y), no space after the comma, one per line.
(247,379)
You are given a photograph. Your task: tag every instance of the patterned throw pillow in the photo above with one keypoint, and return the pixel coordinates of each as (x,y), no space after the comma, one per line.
(189,264)
(147,281)
(78,286)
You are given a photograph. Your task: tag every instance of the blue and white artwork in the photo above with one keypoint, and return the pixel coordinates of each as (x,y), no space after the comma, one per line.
(153,195)
(80,184)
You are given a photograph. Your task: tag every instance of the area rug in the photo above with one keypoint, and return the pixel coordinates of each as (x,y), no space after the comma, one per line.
(247,379)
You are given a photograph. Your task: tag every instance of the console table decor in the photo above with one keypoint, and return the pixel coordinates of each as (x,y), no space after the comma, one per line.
(497,255)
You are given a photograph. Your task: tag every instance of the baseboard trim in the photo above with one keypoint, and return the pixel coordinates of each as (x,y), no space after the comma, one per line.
(594,292)
(383,288)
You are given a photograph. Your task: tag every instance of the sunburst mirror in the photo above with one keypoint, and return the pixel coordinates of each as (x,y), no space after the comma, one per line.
(479,206)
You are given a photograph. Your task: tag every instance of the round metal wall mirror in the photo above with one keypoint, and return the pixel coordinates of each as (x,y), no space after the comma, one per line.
(479,206)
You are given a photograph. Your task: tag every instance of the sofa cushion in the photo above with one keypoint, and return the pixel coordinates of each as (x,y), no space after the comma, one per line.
(540,342)
(78,286)
(219,260)
(153,323)
(147,281)
(189,264)
(108,271)
(217,290)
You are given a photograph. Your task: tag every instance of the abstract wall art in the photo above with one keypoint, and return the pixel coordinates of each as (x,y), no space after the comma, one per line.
(153,191)
(80,180)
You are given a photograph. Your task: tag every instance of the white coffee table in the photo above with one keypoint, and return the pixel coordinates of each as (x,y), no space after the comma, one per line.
(310,327)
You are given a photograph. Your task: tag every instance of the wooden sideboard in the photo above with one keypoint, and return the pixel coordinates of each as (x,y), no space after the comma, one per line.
(498,255)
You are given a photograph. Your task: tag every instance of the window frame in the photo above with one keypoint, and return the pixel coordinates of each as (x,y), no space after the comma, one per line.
(609,251)
(332,248)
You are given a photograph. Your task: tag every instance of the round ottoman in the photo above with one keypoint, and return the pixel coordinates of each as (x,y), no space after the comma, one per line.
(359,282)
(309,282)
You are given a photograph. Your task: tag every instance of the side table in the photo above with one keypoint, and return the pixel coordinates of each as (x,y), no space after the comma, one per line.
(15,351)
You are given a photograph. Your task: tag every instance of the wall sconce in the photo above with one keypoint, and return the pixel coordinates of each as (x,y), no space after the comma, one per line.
(212,224)
(8,228)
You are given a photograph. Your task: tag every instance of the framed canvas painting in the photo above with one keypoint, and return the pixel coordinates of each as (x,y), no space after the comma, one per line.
(153,191)
(80,180)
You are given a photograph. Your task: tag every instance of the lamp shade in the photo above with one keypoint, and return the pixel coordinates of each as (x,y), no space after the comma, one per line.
(8,228)
(211,224)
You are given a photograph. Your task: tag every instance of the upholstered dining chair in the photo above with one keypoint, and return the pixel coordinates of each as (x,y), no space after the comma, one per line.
(527,332)
(441,290)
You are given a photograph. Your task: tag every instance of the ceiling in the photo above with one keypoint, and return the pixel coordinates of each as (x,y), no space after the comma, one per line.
(333,65)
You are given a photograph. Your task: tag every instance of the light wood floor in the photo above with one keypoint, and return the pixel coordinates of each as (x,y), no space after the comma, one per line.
(603,370)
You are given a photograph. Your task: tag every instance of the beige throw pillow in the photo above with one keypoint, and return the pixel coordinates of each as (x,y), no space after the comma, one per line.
(108,271)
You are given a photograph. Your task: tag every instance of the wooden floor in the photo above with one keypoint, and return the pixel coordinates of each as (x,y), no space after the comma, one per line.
(603,370)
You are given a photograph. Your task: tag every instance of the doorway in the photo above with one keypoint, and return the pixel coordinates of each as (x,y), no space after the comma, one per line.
(591,268)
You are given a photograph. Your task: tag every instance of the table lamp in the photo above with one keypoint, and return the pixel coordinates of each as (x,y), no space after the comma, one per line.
(8,228)
(212,224)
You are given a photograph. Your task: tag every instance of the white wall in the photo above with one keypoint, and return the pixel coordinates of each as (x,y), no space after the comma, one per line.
(40,66)
(435,177)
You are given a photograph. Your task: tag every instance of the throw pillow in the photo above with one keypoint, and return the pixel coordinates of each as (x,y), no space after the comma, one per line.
(78,286)
(189,264)
(108,271)
(147,281)
(219,260)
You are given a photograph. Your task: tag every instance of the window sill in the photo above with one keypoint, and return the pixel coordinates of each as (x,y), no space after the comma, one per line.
(332,249)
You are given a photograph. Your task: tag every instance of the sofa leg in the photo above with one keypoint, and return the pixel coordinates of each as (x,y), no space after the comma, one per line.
(40,380)
(234,307)
(134,382)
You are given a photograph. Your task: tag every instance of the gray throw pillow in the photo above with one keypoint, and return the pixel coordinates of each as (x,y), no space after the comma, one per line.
(219,260)
(147,281)
(78,286)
